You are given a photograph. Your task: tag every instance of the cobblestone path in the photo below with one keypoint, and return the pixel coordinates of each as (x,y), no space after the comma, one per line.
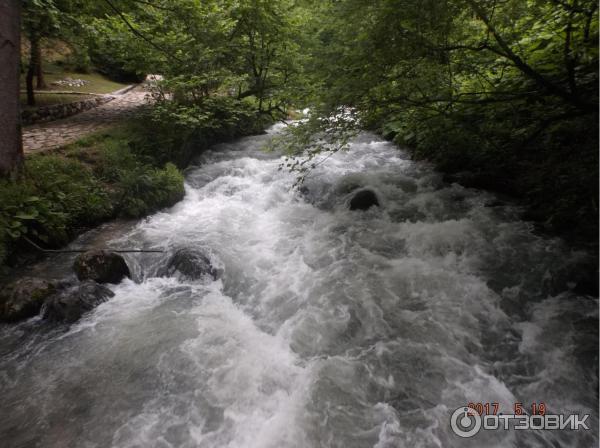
(45,136)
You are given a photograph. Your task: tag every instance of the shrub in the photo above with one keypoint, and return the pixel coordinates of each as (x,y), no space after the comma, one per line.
(71,187)
(147,189)
(102,177)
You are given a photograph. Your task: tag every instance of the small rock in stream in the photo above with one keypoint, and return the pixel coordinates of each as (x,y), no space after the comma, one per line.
(101,266)
(190,264)
(24,297)
(70,304)
(364,200)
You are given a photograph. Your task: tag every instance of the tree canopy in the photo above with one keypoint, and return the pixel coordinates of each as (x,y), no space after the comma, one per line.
(505,89)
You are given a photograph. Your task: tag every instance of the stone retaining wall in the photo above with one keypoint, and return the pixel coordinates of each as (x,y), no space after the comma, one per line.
(58,111)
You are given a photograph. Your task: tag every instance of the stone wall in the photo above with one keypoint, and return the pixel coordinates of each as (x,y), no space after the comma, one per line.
(58,111)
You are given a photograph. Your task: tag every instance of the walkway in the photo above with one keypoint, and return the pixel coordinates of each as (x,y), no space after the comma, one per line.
(54,134)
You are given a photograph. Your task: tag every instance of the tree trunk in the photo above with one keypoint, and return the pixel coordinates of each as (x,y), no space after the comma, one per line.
(39,73)
(11,148)
(32,68)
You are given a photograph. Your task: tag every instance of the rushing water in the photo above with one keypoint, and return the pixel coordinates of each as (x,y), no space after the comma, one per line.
(326,328)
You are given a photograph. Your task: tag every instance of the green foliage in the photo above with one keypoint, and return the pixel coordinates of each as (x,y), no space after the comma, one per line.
(147,189)
(138,185)
(137,179)
(229,68)
(211,115)
(242,49)
(40,18)
(311,141)
(71,187)
(505,90)
(24,213)
(101,177)
(173,131)
(54,197)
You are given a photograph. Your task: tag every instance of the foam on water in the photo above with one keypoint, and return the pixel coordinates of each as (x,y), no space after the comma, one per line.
(327,327)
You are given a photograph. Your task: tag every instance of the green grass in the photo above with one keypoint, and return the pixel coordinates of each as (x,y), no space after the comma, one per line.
(98,83)
(124,133)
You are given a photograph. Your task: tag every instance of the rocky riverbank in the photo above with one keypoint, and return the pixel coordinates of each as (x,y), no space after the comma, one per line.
(67,298)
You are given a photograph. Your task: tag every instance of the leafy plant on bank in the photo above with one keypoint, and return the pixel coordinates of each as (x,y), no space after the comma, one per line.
(54,197)
(58,195)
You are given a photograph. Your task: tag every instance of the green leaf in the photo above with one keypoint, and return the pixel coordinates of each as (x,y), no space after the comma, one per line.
(26,216)
(13,233)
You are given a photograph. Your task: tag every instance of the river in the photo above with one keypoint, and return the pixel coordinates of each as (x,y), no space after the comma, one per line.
(326,327)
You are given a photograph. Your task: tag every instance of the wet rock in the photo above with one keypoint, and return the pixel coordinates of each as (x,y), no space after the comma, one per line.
(101,266)
(189,263)
(23,298)
(303,190)
(363,200)
(71,304)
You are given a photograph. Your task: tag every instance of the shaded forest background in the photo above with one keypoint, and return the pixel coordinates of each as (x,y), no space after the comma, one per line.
(498,94)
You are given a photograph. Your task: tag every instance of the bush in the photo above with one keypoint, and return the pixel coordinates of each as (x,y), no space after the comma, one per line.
(147,189)
(174,132)
(71,187)
(100,178)
(139,184)
(53,198)
(26,213)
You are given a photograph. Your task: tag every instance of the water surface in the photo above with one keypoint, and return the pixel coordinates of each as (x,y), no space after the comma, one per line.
(326,328)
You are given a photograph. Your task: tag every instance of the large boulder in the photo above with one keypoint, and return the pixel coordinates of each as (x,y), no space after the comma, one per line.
(101,266)
(189,264)
(23,298)
(69,305)
(363,200)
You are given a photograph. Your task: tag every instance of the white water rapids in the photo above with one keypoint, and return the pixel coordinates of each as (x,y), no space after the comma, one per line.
(326,328)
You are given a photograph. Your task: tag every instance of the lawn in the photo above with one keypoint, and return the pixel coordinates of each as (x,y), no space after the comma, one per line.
(98,83)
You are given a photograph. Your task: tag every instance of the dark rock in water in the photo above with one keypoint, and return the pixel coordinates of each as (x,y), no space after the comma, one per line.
(190,264)
(23,298)
(101,266)
(71,304)
(363,200)
(303,190)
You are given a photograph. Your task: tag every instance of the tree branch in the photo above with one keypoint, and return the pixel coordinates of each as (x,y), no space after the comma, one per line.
(70,251)
(138,34)
(526,69)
